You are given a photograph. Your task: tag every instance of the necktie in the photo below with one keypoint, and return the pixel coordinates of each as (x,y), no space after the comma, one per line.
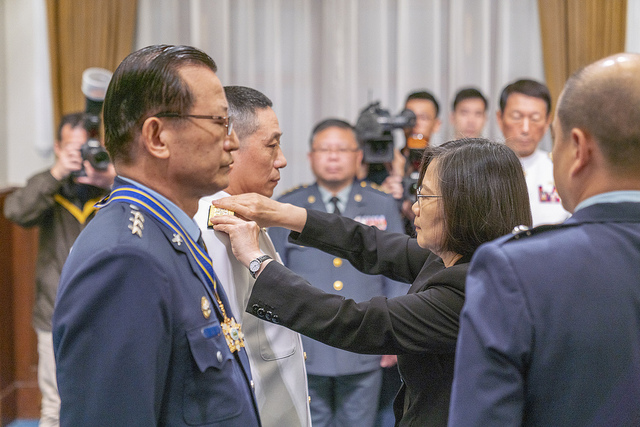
(336,209)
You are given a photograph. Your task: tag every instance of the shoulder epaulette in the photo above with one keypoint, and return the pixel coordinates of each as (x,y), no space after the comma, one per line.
(372,186)
(292,190)
(522,231)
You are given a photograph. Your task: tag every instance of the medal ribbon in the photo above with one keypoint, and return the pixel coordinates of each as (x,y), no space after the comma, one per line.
(140,198)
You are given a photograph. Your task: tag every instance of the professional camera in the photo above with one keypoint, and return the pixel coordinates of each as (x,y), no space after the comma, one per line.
(94,87)
(373,129)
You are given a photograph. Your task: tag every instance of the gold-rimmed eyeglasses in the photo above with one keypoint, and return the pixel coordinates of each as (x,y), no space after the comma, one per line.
(226,121)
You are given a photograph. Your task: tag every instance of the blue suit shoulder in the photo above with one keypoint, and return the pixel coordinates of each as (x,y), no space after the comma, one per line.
(295,193)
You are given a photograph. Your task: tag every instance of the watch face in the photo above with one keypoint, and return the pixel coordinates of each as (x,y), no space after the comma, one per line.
(254,265)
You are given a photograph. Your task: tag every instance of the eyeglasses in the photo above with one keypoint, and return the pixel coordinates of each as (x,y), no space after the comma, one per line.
(425,196)
(226,120)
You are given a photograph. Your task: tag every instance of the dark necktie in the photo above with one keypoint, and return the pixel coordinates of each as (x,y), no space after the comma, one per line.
(336,209)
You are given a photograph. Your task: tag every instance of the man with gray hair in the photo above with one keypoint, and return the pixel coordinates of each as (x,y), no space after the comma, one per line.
(275,352)
(550,330)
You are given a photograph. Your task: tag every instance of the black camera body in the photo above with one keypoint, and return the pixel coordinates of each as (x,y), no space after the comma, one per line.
(373,130)
(94,87)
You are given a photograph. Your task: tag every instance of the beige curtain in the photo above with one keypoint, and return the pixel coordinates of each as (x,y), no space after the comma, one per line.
(83,34)
(578,32)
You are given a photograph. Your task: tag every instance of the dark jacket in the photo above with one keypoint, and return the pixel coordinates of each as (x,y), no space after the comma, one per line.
(421,327)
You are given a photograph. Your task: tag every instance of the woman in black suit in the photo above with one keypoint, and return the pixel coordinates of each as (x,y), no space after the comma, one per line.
(471,191)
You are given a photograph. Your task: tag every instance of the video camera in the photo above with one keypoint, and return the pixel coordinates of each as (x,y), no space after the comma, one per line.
(373,129)
(94,87)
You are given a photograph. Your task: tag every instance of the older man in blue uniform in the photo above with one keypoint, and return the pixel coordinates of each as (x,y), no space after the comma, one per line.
(550,330)
(344,387)
(143,332)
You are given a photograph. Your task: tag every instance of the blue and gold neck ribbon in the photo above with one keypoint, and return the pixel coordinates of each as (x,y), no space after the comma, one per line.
(138,197)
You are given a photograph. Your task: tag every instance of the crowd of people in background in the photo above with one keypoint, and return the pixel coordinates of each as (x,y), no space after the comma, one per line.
(478,282)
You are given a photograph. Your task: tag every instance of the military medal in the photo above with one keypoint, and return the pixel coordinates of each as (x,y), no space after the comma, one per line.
(232,330)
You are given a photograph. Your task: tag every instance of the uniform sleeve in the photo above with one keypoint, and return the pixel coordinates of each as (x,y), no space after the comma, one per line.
(111,295)
(27,205)
(494,345)
(367,248)
(421,322)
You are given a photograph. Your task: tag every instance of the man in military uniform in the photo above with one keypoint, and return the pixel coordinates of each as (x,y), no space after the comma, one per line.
(524,117)
(550,331)
(275,352)
(344,386)
(143,332)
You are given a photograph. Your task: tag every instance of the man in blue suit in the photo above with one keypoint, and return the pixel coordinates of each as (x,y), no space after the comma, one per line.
(550,330)
(344,387)
(143,331)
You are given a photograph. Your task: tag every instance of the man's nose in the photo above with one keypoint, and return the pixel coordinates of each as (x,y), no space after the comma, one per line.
(525,125)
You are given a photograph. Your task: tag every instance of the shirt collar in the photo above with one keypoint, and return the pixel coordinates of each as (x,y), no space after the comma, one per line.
(343,197)
(183,219)
(610,197)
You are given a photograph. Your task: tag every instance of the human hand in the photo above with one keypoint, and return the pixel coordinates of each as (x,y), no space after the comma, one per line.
(98,178)
(265,211)
(388,360)
(243,235)
(68,159)
(393,185)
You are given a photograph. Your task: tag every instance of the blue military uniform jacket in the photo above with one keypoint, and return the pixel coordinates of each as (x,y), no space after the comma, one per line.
(133,341)
(550,330)
(336,275)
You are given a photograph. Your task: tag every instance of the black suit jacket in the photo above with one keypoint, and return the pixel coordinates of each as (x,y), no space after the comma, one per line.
(420,327)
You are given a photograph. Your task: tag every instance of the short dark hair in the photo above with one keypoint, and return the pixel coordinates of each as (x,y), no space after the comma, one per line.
(607,106)
(76,120)
(145,83)
(243,105)
(529,88)
(468,93)
(331,123)
(427,96)
(484,193)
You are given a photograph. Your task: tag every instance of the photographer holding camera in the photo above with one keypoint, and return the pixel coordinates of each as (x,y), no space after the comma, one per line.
(60,202)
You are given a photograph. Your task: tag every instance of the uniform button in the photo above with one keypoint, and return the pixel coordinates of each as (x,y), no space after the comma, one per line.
(337,262)
(309,399)
(337,285)
(357,198)
(219,357)
(261,312)
(268,315)
(255,308)
(304,353)
(275,319)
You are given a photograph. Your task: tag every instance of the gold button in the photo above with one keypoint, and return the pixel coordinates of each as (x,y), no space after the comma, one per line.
(309,399)
(311,199)
(337,285)
(304,353)
(357,198)
(337,262)
(363,184)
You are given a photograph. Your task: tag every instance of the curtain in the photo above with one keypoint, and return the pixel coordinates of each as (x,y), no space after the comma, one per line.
(578,32)
(83,34)
(316,59)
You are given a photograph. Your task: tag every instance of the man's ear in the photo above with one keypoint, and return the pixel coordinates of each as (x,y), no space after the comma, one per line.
(436,126)
(499,119)
(582,146)
(154,138)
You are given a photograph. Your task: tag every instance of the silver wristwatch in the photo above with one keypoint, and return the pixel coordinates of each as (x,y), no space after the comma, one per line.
(255,264)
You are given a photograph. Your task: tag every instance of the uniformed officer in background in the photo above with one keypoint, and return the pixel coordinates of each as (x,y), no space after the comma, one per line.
(524,117)
(344,386)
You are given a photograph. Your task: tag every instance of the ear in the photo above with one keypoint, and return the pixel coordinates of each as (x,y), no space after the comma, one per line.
(582,146)
(154,137)
(499,118)
(57,147)
(359,157)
